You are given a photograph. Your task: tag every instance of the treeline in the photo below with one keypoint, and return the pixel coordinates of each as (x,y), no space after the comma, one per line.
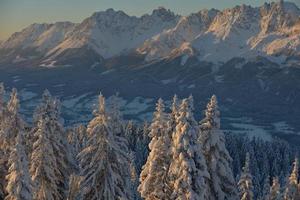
(174,157)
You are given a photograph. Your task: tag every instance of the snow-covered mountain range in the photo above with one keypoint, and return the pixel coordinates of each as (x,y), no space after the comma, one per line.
(243,31)
(272,30)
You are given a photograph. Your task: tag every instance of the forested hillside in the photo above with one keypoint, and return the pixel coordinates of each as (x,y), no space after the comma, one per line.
(174,156)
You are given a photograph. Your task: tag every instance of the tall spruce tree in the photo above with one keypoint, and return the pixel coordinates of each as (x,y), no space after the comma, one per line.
(2,175)
(19,186)
(43,164)
(221,183)
(2,103)
(292,184)
(12,125)
(245,183)
(3,156)
(77,139)
(103,160)
(134,177)
(12,122)
(115,116)
(173,116)
(188,170)
(130,135)
(48,112)
(154,180)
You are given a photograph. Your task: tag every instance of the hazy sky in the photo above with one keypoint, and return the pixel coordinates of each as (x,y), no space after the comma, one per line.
(17,14)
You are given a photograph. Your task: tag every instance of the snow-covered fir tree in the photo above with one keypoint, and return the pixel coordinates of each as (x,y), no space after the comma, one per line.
(12,125)
(145,132)
(134,177)
(77,139)
(173,115)
(115,116)
(188,170)
(245,183)
(50,109)
(154,180)
(116,121)
(74,141)
(13,103)
(2,102)
(221,183)
(2,175)
(174,108)
(2,110)
(49,113)
(19,186)
(291,190)
(82,136)
(2,152)
(130,135)
(43,165)
(275,190)
(103,161)
(12,122)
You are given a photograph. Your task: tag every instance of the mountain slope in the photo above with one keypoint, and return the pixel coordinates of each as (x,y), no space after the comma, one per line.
(40,36)
(111,33)
(185,31)
(34,41)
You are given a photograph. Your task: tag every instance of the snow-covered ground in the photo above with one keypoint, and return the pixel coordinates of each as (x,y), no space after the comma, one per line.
(79,109)
(284,128)
(137,106)
(251,130)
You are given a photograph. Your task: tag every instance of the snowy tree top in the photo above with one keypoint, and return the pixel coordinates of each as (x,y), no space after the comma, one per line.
(295,175)
(212,112)
(13,103)
(191,102)
(46,96)
(185,110)
(159,120)
(160,108)
(101,105)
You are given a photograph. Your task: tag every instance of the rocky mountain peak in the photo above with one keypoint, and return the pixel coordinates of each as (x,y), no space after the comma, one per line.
(163,13)
(278,16)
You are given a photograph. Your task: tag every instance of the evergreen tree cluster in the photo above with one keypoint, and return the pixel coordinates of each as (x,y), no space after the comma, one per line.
(172,158)
(268,159)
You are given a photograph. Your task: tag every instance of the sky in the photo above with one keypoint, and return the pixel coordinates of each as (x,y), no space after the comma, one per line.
(17,14)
